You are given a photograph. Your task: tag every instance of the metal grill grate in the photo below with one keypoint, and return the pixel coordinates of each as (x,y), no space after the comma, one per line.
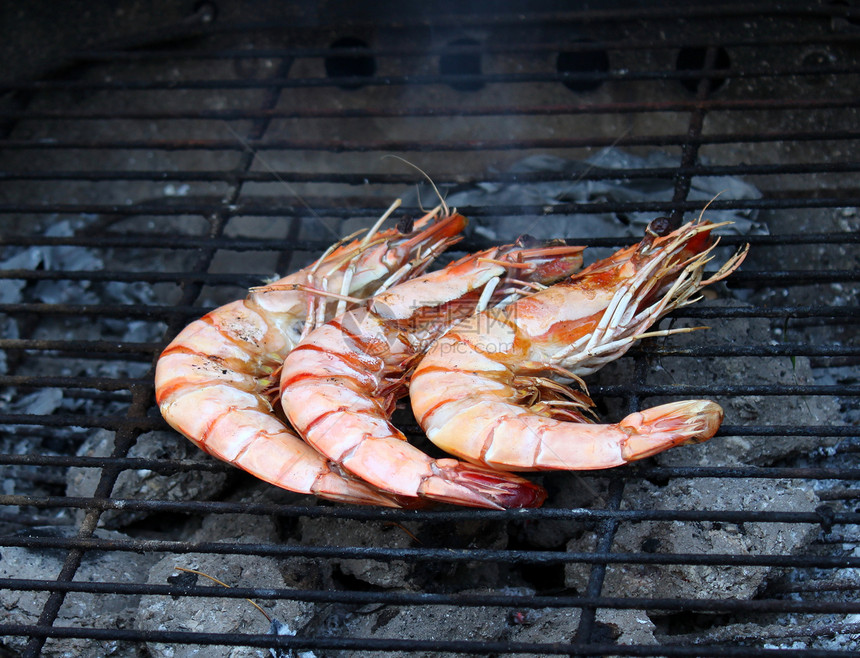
(154,177)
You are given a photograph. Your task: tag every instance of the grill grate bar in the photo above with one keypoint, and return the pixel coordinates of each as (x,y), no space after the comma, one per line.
(605,536)
(814,586)
(98,349)
(814,630)
(842,313)
(617,390)
(690,149)
(372,644)
(424,80)
(426,554)
(425,598)
(167,465)
(91,348)
(840,494)
(489,47)
(364,146)
(437,516)
(140,240)
(255,210)
(405,179)
(713,105)
(623,15)
(241,280)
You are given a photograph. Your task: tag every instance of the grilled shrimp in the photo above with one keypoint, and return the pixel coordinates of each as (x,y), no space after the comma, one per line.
(483,391)
(212,382)
(339,385)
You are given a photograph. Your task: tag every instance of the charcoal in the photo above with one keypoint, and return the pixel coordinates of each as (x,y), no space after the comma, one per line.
(79,609)
(217,614)
(145,484)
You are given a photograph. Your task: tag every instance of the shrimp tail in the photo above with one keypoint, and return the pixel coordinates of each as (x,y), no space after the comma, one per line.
(458,482)
(334,486)
(668,425)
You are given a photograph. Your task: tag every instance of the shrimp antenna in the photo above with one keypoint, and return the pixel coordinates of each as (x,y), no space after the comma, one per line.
(714,198)
(426,175)
(379,222)
(264,161)
(223,584)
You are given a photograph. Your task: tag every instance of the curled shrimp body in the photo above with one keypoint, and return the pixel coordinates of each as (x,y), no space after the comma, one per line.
(339,386)
(482,392)
(214,379)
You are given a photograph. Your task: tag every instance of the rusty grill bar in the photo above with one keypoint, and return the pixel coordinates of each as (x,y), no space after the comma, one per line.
(162,176)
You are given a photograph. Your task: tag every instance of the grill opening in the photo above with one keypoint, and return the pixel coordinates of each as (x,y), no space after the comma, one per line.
(156,164)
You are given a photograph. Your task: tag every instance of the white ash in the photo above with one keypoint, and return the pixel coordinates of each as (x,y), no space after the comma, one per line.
(346,532)
(9,329)
(433,622)
(699,538)
(220,615)
(171,190)
(17,440)
(577,190)
(48,401)
(628,626)
(29,259)
(144,484)
(492,624)
(10,293)
(37,481)
(62,258)
(69,259)
(43,402)
(540,626)
(279,628)
(79,610)
(567,490)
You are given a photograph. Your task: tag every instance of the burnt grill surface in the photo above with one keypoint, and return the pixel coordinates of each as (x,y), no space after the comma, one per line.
(151,177)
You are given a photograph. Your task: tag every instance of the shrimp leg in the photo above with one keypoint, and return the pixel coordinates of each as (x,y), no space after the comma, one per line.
(482,392)
(339,386)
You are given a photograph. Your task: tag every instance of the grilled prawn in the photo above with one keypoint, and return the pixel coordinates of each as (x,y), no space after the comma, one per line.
(339,385)
(211,382)
(483,392)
